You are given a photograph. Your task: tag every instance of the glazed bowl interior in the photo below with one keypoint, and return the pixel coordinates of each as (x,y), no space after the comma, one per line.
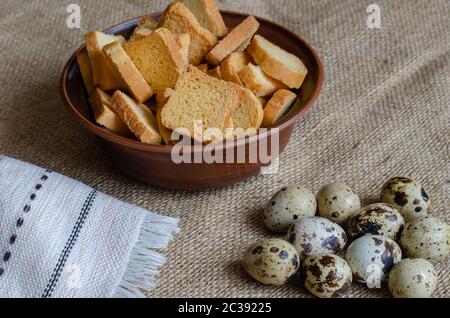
(75,95)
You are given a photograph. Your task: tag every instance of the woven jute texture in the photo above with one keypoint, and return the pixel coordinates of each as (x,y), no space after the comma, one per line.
(384,111)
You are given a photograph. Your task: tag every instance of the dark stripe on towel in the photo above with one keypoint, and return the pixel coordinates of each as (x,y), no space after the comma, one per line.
(57,271)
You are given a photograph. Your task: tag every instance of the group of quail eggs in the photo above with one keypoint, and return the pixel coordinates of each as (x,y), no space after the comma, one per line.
(393,243)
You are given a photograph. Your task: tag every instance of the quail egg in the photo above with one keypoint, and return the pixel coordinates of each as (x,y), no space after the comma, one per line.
(407,196)
(337,202)
(326,276)
(287,207)
(316,235)
(413,278)
(377,219)
(271,261)
(427,238)
(371,257)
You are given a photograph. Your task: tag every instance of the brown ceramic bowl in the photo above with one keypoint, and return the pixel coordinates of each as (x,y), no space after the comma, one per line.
(153,164)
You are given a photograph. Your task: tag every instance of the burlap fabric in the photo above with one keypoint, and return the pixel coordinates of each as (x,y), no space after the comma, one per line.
(384,111)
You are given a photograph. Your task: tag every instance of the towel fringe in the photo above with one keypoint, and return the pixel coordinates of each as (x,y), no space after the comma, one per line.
(143,266)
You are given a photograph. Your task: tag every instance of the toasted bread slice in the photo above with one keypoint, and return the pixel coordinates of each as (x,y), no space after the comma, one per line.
(138,118)
(184,42)
(243,47)
(149,23)
(278,63)
(103,72)
(180,19)
(233,65)
(130,75)
(158,57)
(230,123)
(228,134)
(140,33)
(165,133)
(216,72)
(145,27)
(208,15)
(163,95)
(120,39)
(229,130)
(200,97)
(258,82)
(101,106)
(278,106)
(86,70)
(249,113)
(203,67)
(233,41)
(99,97)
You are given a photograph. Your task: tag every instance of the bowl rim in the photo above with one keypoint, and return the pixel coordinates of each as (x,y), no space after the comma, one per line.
(129,143)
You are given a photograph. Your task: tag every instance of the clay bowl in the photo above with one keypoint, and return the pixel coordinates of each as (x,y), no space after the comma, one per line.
(154,165)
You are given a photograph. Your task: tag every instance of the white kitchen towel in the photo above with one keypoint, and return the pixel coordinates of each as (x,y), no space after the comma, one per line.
(61,239)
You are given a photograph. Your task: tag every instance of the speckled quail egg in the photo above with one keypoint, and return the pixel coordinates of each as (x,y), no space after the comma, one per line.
(326,276)
(316,235)
(371,257)
(287,207)
(271,261)
(407,196)
(427,238)
(337,202)
(377,219)
(413,278)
